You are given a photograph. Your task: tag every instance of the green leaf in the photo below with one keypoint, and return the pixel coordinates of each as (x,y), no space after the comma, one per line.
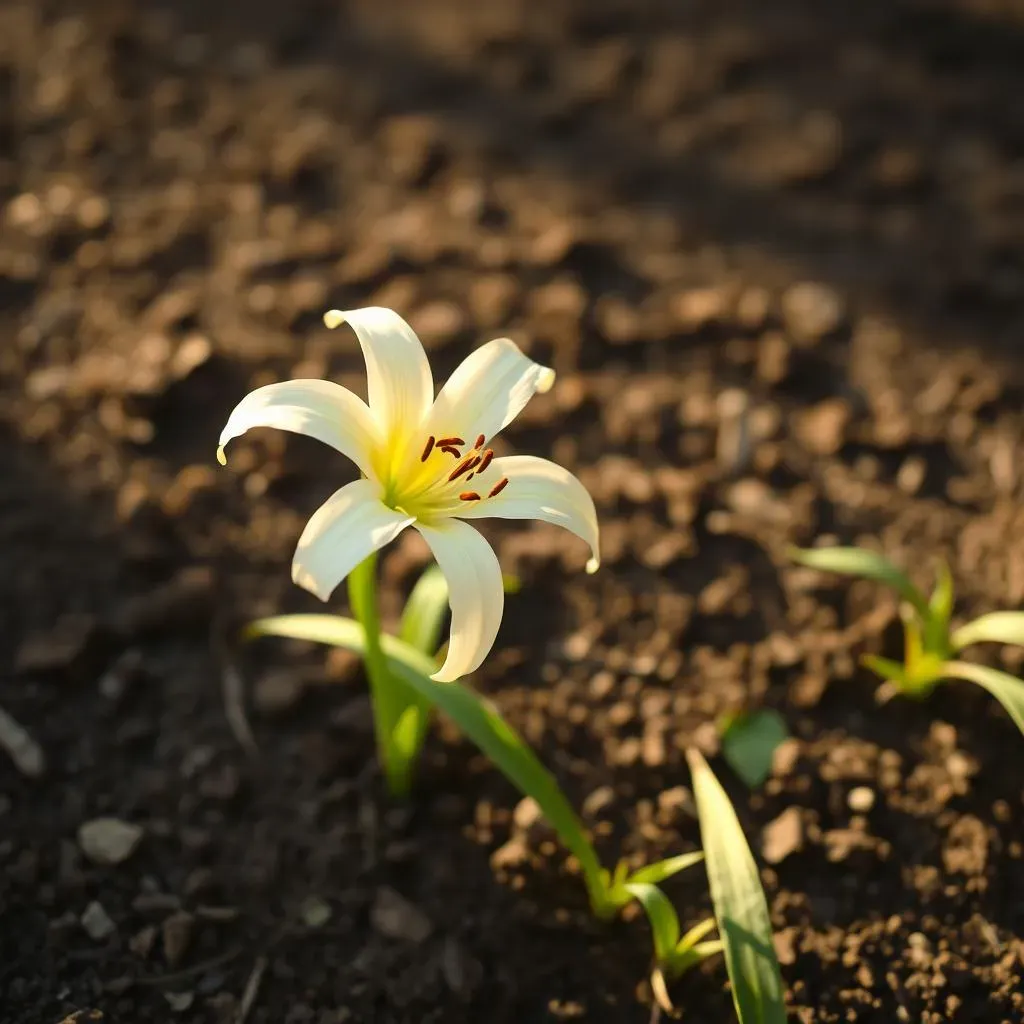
(427,606)
(662,917)
(1007,689)
(884,667)
(749,742)
(741,909)
(696,933)
(476,716)
(690,951)
(913,642)
(654,873)
(425,611)
(693,955)
(940,609)
(996,627)
(863,563)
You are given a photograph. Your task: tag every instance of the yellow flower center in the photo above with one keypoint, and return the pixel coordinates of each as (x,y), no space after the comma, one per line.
(446,476)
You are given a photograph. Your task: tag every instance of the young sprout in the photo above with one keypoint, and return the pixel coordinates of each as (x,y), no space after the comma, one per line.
(741,913)
(741,909)
(931,647)
(674,954)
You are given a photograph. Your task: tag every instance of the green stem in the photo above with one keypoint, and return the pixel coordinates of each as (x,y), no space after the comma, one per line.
(391,697)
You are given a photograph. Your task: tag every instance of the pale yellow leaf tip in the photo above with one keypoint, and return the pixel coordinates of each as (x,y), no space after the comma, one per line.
(660,990)
(333,318)
(221,457)
(593,564)
(545,379)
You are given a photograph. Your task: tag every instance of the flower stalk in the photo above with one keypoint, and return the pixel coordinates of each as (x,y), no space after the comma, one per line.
(399,714)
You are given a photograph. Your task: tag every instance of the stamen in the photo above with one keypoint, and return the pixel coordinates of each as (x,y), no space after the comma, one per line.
(450,450)
(469,496)
(429,448)
(479,441)
(499,487)
(463,467)
(486,460)
(450,440)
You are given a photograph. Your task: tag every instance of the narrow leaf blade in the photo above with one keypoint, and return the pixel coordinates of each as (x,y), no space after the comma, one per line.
(476,716)
(425,611)
(749,742)
(427,606)
(884,667)
(1007,689)
(996,627)
(696,933)
(741,909)
(654,873)
(940,609)
(662,917)
(867,564)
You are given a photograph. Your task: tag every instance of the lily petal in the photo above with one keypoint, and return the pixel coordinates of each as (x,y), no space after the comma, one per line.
(399,382)
(350,526)
(488,390)
(539,489)
(316,408)
(475,594)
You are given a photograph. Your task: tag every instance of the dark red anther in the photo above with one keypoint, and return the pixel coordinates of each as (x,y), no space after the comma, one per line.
(450,440)
(486,460)
(499,487)
(447,448)
(428,449)
(479,441)
(469,496)
(463,467)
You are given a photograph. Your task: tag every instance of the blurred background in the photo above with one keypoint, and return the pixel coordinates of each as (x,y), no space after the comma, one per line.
(775,253)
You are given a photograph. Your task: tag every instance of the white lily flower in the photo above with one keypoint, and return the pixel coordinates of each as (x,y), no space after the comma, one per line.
(425,463)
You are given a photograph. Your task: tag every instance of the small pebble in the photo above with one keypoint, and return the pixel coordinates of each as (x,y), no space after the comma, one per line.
(177,936)
(26,755)
(108,841)
(179,1002)
(315,912)
(57,649)
(141,943)
(527,813)
(812,311)
(821,429)
(783,836)
(394,917)
(96,922)
(861,799)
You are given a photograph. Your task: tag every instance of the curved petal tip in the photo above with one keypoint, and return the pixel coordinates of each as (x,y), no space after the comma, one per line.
(333,318)
(221,456)
(593,564)
(545,379)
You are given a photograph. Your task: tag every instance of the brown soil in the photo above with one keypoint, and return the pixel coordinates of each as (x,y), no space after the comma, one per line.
(811,212)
